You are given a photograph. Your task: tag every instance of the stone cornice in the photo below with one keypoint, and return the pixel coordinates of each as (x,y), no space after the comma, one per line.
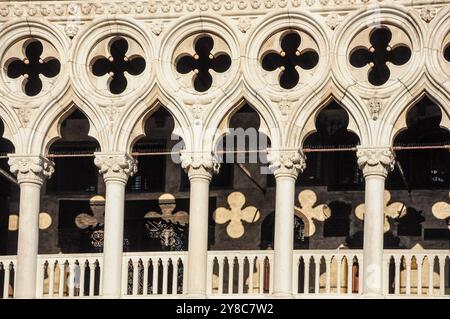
(67,11)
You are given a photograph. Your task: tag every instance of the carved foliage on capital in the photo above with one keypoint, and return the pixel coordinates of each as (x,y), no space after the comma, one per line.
(199,164)
(116,166)
(286,162)
(33,169)
(376,161)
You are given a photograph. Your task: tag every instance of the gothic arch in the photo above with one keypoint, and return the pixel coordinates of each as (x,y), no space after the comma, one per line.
(216,123)
(46,128)
(130,126)
(399,107)
(303,120)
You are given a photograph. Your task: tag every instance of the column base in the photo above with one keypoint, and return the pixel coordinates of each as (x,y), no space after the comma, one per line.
(282,295)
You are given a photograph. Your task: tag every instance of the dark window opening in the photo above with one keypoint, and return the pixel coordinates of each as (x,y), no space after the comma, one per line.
(337,170)
(447,52)
(239,150)
(338,224)
(423,169)
(74,174)
(410,223)
(6,188)
(151,173)
(267,233)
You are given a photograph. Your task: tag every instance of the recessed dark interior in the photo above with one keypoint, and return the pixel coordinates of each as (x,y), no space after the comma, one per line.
(337,169)
(117,65)
(447,52)
(381,52)
(289,59)
(74,174)
(422,168)
(33,66)
(203,61)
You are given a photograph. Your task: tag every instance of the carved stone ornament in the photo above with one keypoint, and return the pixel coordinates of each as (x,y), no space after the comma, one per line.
(427,13)
(286,162)
(115,166)
(31,169)
(375,161)
(204,164)
(375,107)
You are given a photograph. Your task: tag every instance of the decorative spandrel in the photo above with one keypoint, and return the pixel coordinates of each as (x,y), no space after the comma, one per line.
(117,65)
(378,56)
(32,66)
(291,60)
(202,62)
(166,226)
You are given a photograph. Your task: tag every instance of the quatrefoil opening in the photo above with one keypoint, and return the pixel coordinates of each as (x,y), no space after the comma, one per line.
(32,66)
(447,52)
(290,60)
(379,54)
(202,62)
(117,64)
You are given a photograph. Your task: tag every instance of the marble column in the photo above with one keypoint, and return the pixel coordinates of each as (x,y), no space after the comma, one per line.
(286,165)
(116,168)
(200,172)
(375,164)
(31,172)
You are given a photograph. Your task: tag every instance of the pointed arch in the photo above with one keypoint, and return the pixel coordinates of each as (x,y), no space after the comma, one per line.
(399,107)
(46,127)
(132,122)
(303,120)
(217,121)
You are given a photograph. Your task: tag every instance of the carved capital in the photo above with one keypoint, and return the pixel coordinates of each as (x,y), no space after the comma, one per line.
(375,161)
(30,168)
(115,166)
(286,162)
(199,165)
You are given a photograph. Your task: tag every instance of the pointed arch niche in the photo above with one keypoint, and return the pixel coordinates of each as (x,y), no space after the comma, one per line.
(157,206)
(242,187)
(8,197)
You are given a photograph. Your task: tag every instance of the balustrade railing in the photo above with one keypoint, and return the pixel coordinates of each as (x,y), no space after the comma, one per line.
(247,272)
(157,274)
(71,275)
(327,272)
(7,276)
(422,273)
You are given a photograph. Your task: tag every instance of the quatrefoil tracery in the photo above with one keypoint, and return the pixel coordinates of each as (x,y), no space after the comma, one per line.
(202,62)
(289,60)
(117,64)
(379,54)
(447,52)
(32,66)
